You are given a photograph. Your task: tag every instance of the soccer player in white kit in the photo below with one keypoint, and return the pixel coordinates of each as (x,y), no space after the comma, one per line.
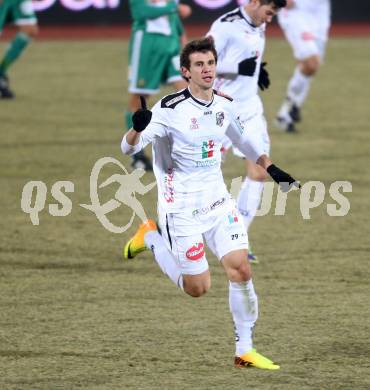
(239,38)
(186,130)
(306,26)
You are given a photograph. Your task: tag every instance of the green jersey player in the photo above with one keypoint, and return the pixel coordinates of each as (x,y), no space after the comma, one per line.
(154,54)
(20,13)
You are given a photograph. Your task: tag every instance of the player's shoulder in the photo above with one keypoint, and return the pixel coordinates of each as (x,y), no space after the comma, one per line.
(222,96)
(231,16)
(172,100)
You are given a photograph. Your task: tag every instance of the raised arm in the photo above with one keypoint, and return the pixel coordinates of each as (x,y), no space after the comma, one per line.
(136,138)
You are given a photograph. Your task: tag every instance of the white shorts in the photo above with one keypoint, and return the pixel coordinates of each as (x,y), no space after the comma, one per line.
(225,232)
(258,125)
(307,32)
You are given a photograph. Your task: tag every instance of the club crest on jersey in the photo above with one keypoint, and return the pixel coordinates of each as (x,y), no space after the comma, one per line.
(208,148)
(194,124)
(220,116)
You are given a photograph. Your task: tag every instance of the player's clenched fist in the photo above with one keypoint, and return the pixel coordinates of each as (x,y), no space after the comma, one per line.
(247,67)
(141,117)
(285,181)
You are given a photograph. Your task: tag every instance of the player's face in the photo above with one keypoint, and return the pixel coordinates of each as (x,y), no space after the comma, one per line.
(202,70)
(263,14)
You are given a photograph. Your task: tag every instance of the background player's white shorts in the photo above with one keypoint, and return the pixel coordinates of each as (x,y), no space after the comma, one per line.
(225,232)
(306,31)
(256,124)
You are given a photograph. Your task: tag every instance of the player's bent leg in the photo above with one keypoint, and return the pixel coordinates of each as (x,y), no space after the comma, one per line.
(298,88)
(22,39)
(148,237)
(197,285)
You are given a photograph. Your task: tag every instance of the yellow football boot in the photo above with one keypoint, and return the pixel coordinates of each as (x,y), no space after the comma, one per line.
(136,244)
(255,359)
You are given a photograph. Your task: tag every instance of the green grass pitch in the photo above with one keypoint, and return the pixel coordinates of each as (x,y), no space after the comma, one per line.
(74,315)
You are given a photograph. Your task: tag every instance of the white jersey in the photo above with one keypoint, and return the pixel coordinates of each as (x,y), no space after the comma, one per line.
(187,136)
(310,5)
(236,39)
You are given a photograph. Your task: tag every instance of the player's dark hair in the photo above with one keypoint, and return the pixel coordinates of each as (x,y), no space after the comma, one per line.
(199,45)
(277,4)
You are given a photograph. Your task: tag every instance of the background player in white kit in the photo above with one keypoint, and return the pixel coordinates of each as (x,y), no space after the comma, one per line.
(186,130)
(239,38)
(306,26)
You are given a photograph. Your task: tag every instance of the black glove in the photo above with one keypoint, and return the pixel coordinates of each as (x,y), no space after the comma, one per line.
(263,78)
(248,66)
(141,117)
(282,178)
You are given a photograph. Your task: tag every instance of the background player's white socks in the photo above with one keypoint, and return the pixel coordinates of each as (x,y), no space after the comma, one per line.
(249,199)
(298,87)
(243,303)
(167,263)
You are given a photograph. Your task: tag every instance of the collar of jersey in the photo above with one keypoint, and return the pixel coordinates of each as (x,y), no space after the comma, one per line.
(198,101)
(246,17)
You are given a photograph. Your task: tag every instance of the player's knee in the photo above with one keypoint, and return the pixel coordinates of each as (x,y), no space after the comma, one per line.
(244,272)
(30,30)
(241,273)
(310,66)
(196,290)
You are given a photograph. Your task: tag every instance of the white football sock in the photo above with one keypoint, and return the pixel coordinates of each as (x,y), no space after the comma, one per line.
(165,259)
(243,303)
(249,199)
(298,87)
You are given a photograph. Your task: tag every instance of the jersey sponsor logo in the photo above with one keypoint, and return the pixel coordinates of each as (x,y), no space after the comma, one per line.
(196,252)
(232,217)
(220,116)
(206,163)
(206,210)
(175,100)
(194,124)
(307,36)
(208,148)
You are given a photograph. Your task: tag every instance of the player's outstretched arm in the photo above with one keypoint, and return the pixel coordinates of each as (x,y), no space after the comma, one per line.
(285,181)
(140,120)
(250,145)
